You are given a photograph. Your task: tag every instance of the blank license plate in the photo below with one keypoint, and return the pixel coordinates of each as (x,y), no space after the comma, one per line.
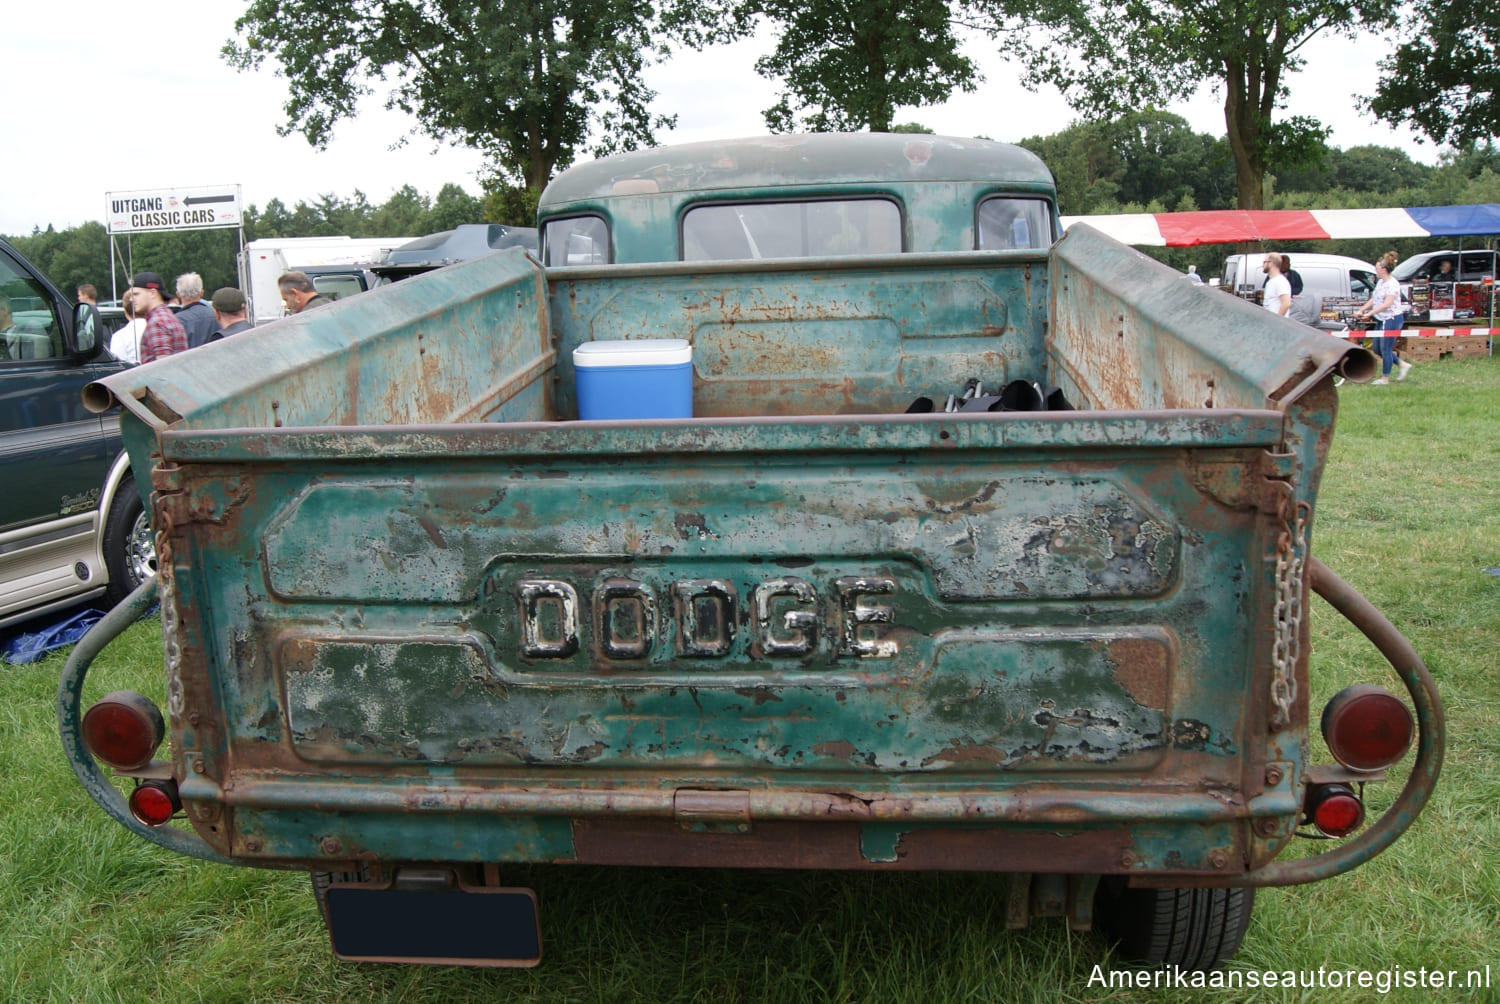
(467,926)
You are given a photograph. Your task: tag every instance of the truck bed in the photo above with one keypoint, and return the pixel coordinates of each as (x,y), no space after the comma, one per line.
(438,619)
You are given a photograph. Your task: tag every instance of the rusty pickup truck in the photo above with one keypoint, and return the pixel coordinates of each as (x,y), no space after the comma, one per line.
(979,548)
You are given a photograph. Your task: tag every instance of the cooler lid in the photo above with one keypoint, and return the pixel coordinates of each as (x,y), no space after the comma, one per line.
(633,352)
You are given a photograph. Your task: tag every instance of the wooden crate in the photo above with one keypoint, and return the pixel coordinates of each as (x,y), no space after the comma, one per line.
(1434,348)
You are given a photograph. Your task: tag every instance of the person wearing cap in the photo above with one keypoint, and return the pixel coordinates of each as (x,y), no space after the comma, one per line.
(298,293)
(195,315)
(229,310)
(164,335)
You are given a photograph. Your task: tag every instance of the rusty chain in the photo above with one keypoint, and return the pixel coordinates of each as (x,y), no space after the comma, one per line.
(1291,562)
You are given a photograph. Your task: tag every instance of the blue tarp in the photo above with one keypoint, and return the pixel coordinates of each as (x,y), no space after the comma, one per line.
(33,645)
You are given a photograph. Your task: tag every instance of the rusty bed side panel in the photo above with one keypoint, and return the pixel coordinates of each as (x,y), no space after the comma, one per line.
(466,343)
(1125,331)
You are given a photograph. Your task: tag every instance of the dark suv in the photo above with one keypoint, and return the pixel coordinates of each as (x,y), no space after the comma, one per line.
(72,527)
(1470,298)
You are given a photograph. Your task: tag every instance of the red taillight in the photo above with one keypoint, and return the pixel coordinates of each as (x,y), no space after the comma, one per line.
(1366,727)
(155,802)
(1334,809)
(123,729)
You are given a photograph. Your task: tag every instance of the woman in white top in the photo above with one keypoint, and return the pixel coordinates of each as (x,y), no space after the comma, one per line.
(125,344)
(1385,306)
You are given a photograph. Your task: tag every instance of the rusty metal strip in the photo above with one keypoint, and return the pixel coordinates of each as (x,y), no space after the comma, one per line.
(1018,806)
(1112,431)
(513,383)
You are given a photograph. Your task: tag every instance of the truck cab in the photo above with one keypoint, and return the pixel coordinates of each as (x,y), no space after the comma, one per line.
(739,201)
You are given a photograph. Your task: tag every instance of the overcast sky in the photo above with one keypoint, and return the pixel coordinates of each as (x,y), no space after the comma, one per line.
(161,110)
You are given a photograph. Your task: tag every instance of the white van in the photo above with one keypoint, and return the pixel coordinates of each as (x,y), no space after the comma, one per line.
(1322,275)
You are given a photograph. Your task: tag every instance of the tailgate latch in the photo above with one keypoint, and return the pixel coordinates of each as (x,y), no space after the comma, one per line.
(711,811)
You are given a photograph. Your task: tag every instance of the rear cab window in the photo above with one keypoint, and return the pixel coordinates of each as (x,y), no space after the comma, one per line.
(577,240)
(818,228)
(1008,223)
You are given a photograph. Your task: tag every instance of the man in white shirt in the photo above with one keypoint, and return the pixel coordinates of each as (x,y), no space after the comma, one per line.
(1278,293)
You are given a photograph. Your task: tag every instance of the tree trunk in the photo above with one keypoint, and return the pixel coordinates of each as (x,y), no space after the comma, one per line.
(1242,126)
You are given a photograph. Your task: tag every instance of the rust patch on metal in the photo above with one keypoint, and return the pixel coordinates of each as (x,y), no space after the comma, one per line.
(691,525)
(841,749)
(836,845)
(761,695)
(433,533)
(1190,734)
(1140,667)
(969,752)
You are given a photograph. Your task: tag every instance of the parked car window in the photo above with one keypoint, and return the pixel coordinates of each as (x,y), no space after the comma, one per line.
(1477,265)
(1007,223)
(29,328)
(1472,266)
(579,240)
(336,286)
(1361,283)
(801,229)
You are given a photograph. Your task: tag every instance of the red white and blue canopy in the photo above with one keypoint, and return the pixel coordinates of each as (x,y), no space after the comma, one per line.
(1232,226)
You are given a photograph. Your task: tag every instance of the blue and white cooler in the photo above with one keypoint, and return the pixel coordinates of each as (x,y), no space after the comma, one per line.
(634,378)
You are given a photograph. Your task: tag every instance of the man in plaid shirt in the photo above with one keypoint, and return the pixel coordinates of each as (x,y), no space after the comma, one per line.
(164,334)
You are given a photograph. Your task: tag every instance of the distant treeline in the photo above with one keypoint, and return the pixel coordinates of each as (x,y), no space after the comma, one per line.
(82,254)
(1148,161)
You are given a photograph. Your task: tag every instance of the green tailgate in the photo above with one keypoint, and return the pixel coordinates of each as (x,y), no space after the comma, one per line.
(978,618)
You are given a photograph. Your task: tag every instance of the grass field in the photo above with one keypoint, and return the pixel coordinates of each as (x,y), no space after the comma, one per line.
(1409,515)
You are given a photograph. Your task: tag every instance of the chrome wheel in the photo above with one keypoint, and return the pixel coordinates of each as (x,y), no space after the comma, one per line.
(140,550)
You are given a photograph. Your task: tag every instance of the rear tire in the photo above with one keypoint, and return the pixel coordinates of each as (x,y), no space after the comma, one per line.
(1193,929)
(129,550)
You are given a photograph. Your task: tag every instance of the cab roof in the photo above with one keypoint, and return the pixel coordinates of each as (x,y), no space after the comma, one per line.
(818,159)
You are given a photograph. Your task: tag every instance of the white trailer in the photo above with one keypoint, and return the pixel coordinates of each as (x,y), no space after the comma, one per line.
(337,266)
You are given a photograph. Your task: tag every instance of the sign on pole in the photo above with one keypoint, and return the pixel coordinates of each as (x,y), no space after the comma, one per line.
(173,209)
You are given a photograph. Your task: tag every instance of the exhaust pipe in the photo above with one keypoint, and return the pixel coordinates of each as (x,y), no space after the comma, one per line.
(1358,364)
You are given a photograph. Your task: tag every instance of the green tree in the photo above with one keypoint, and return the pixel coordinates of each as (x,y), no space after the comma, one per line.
(1137,158)
(513,205)
(1083,164)
(1165,161)
(1445,79)
(272,221)
(1381,169)
(345,216)
(1110,58)
(451,207)
(210,253)
(847,65)
(401,214)
(522,81)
